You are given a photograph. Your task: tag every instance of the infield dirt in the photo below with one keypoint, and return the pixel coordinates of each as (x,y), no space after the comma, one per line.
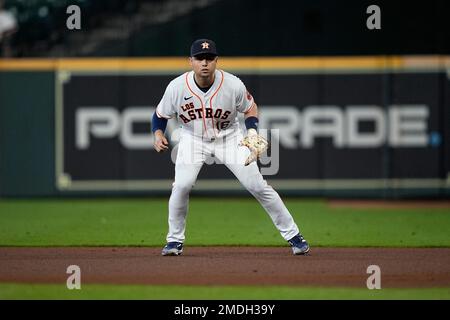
(343,267)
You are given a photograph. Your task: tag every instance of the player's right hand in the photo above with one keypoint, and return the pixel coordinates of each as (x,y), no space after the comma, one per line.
(160,143)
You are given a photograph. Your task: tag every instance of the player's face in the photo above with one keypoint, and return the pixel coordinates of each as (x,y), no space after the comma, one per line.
(204,65)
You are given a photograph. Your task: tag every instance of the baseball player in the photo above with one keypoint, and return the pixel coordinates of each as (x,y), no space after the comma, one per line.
(206,101)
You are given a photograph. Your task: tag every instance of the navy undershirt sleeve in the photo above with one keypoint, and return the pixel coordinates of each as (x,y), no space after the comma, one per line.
(158,123)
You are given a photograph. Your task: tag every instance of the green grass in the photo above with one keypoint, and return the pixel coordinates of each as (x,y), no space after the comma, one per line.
(141,222)
(54,291)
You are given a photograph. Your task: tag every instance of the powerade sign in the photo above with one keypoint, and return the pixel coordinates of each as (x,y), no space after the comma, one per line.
(400,126)
(327,127)
(397,126)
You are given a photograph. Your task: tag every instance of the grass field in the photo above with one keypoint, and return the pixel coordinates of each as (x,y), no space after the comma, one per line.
(140,222)
(137,222)
(138,292)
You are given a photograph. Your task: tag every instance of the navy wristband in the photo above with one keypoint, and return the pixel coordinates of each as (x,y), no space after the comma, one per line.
(251,123)
(158,123)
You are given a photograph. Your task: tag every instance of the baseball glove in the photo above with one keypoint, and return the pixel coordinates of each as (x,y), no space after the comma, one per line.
(256,144)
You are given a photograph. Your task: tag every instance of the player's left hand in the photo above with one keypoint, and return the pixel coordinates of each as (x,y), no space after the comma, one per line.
(256,144)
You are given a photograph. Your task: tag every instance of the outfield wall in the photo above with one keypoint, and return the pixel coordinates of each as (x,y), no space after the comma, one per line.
(347,126)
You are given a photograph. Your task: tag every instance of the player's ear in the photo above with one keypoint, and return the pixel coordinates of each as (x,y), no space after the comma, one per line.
(190,60)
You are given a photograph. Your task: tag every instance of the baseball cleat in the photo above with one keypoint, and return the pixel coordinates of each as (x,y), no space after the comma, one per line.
(172,249)
(299,245)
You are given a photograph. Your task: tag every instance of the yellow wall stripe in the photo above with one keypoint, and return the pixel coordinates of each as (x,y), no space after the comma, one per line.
(232,63)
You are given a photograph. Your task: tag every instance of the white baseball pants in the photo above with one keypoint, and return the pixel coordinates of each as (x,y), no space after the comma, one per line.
(192,153)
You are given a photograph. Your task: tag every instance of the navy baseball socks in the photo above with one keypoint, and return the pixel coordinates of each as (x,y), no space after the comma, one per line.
(299,245)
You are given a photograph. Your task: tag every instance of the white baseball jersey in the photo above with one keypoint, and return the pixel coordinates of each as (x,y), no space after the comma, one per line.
(210,114)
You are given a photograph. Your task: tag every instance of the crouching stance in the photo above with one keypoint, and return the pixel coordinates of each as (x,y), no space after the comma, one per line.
(206,101)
